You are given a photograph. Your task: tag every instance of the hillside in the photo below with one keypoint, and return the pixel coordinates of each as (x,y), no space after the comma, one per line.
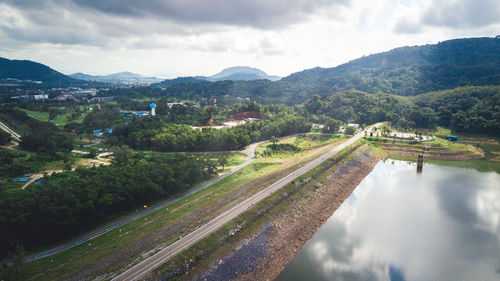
(29,70)
(413,70)
(181,80)
(472,109)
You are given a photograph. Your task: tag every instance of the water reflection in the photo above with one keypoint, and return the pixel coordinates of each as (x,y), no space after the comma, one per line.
(443,224)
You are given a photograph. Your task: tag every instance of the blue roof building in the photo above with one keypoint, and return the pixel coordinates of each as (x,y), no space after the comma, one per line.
(21,179)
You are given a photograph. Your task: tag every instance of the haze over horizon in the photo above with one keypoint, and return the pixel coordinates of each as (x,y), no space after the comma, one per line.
(187,38)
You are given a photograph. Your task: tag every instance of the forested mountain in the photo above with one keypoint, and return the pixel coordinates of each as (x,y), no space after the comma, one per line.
(405,71)
(413,70)
(29,70)
(180,80)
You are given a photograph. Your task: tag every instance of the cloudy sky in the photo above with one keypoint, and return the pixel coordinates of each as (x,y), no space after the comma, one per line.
(201,37)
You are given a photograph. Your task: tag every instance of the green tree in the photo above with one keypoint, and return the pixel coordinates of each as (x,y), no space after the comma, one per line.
(274,140)
(122,155)
(350,130)
(223,160)
(93,153)
(5,137)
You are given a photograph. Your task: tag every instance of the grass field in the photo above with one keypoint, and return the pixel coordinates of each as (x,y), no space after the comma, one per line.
(303,142)
(60,120)
(38,115)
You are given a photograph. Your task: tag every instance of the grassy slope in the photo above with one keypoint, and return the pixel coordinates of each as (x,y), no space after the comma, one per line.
(39,115)
(491,151)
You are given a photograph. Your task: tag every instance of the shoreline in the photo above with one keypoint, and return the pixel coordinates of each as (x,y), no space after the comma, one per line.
(284,235)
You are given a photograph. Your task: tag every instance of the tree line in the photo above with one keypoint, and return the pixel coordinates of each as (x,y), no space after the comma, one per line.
(155,134)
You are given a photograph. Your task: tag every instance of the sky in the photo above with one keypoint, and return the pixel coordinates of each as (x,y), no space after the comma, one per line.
(169,38)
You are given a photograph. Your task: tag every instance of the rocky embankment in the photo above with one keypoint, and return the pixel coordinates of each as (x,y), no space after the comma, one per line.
(267,253)
(434,153)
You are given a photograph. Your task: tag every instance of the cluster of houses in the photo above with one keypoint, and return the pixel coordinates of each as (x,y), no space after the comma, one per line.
(61,94)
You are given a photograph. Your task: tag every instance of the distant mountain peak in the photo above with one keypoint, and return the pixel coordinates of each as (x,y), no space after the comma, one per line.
(119,76)
(242,73)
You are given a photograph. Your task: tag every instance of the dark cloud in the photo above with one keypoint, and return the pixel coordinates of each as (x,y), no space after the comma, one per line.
(263,14)
(256,13)
(462,14)
(122,22)
(455,15)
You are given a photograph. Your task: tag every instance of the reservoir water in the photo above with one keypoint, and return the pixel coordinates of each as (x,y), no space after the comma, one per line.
(441,224)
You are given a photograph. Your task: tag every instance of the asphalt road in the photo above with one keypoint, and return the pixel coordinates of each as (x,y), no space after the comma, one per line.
(149,264)
(11,132)
(248,151)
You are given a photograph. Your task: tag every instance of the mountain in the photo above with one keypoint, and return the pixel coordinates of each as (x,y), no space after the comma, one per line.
(116,77)
(82,76)
(124,76)
(413,70)
(32,71)
(241,73)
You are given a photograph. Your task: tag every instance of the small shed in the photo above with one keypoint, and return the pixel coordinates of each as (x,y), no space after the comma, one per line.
(452,138)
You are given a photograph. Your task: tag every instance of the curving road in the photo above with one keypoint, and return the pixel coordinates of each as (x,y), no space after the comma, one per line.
(149,264)
(249,151)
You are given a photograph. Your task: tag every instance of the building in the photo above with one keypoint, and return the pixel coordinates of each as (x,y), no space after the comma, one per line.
(353,125)
(66,97)
(153,107)
(41,97)
(170,104)
(127,113)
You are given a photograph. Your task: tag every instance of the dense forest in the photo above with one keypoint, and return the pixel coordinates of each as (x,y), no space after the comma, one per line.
(66,204)
(464,109)
(468,109)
